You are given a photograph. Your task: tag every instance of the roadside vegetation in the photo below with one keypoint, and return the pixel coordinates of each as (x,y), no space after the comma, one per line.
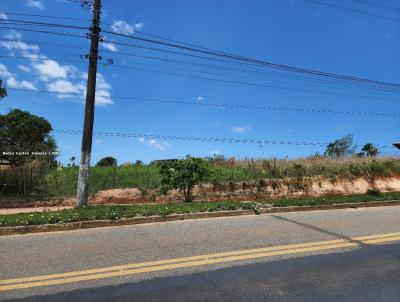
(42,182)
(115,212)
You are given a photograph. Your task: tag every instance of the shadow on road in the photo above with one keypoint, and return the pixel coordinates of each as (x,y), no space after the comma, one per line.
(381,248)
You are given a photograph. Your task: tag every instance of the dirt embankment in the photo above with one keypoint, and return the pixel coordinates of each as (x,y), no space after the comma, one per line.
(263,189)
(290,187)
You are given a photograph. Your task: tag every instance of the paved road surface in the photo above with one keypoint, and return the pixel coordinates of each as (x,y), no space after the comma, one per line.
(340,255)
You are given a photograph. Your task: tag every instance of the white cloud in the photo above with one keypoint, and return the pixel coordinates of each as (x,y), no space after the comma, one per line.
(109,46)
(58,78)
(13,83)
(122,27)
(63,86)
(35,4)
(27,85)
(101,83)
(103,94)
(162,146)
(50,69)
(13,35)
(18,45)
(4,71)
(24,68)
(103,97)
(139,26)
(240,129)
(3,16)
(98,141)
(200,98)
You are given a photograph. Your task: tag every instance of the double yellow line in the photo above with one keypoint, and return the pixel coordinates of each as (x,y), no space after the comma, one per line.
(185,262)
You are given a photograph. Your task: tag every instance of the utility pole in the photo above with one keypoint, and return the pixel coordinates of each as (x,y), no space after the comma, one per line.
(83,177)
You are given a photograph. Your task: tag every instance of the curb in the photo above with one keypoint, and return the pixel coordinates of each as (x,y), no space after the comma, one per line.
(174,217)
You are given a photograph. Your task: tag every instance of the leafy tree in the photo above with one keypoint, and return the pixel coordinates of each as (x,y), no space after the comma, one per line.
(182,174)
(21,131)
(3,91)
(341,147)
(369,150)
(107,161)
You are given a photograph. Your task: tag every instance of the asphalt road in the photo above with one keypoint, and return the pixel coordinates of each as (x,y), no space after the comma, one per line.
(339,255)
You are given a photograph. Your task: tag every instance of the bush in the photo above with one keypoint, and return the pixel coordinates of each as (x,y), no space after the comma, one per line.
(373,192)
(182,174)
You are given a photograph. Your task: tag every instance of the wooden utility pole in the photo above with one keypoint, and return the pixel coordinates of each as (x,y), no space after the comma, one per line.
(83,177)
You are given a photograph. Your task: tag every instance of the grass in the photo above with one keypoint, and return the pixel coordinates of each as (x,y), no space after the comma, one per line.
(61,182)
(114,212)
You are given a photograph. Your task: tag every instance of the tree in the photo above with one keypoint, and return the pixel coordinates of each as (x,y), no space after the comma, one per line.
(182,174)
(107,161)
(25,137)
(3,91)
(368,150)
(341,147)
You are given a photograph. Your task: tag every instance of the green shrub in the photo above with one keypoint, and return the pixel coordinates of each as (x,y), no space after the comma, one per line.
(373,192)
(182,174)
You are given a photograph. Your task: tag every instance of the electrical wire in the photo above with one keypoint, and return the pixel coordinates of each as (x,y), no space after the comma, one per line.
(262,63)
(216,79)
(205,139)
(321,83)
(264,74)
(33,23)
(43,31)
(378,5)
(44,16)
(224,106)
(353,10)
(228,61)
(253,84)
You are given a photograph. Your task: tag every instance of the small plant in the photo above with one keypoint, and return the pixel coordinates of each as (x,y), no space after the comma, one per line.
(373,192)
(261,185)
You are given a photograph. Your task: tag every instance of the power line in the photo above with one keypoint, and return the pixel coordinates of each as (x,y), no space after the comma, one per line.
(263,63)
(205,139)
(5,39)
(218,80)
(265,76)
(165,60)
(34,23)
(43,31)
(253,107)
(378,5)
(353,10)
(38,58)
(140,32)
(253,84)
(230,62)
(225,106)
(45,16)
(215,79)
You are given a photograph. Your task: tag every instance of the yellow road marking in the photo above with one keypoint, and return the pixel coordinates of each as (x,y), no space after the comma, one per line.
(168,264)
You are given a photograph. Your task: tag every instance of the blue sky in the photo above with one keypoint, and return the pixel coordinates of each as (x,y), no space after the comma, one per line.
(292,32)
